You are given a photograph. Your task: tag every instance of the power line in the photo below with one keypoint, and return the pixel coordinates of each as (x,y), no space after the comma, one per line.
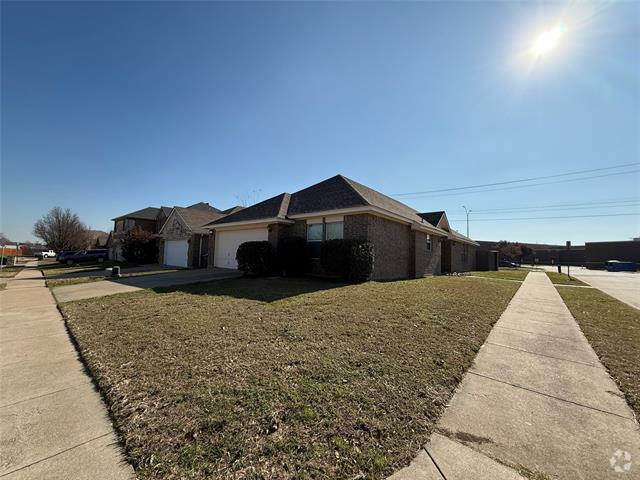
(529,210)
(549,218)
(524,186)
(577,172)
(557,205)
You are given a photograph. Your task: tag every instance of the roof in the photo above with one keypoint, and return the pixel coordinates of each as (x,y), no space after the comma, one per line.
(433,217)
(203,206)
(165,211)
(231,210)
(274,207)
(195,218)
(149,213)
(458,237)
(335,193)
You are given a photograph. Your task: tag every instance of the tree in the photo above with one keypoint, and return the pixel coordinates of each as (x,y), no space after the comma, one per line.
(140,246)
(61,230)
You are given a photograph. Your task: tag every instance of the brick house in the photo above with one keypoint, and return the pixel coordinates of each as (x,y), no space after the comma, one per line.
(406,244)
(458,251)
(149,219)
(184,242)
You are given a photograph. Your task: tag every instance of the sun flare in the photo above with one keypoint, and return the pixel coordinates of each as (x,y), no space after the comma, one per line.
(547,41)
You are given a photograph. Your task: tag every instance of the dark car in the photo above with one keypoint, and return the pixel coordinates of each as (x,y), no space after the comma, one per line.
(507,264)
(64,253)
(87,256)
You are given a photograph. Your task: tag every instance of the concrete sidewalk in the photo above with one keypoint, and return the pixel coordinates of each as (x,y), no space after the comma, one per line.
(536,401)
(53,423)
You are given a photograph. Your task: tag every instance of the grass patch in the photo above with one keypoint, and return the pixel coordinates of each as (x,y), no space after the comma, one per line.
(613,330)
(78,280)
(55,269)
(562,279)
(504,274)
(9,272)
(282,378)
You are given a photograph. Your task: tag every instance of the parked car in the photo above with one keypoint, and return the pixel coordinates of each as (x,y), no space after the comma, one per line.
(46,254)
(87,256)
(64,253)
(505,263)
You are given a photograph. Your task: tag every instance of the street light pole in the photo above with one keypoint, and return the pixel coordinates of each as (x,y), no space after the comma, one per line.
(467,211)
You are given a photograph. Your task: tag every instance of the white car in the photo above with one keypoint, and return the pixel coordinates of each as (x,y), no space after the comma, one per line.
(46,254)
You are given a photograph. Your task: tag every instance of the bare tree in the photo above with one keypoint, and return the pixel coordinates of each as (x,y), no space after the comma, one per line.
(62,230)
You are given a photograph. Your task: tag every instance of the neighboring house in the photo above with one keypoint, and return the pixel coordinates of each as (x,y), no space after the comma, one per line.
(149,219)
(406,245)
(184,242)
(458,251)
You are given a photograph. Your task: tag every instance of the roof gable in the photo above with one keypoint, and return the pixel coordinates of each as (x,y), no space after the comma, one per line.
(335,193)
(437,219)
(274,207)
(148,213)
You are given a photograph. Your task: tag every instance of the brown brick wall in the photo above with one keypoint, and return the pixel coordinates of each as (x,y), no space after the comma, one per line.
(212,249)
(427,262)
(161,251)
(393,244)
(457,262)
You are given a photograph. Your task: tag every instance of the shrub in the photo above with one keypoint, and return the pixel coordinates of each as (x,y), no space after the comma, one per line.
(256,258)
(293,256)
(349,259)
(140,246)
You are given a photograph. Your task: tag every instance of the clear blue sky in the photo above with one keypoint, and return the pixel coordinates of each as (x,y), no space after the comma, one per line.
(108,107)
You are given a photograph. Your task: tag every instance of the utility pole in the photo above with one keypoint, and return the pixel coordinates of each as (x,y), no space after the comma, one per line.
(467,211)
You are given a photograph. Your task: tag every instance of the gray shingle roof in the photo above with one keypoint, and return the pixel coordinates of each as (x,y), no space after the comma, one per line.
(275,207)
(432,217)
(335,193)
(149,213)
(196,218)
(231,210)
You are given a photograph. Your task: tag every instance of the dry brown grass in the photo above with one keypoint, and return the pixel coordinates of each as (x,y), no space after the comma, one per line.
(283,378)
(613,330)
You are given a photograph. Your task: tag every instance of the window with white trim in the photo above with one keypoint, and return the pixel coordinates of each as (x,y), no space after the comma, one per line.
(428,243)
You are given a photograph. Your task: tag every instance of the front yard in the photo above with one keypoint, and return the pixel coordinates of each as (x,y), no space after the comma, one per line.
(503,274)
(613,330)
(58,275)
(283,378)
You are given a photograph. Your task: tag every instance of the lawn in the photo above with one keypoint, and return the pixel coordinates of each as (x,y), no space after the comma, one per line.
(613,330)
(9,272)
(562,279)
(283,378)
(503,274)
(56,269)
(77,280)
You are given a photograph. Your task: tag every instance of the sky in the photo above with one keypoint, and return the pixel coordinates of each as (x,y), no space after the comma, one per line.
(109,107)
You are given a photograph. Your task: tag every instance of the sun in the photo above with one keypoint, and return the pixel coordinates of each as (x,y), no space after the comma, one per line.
(547,41)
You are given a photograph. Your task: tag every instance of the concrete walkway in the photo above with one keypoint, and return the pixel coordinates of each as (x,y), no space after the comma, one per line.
(68,293)
(53,424)
(536,400)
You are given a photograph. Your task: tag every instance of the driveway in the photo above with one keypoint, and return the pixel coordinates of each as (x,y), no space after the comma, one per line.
(68,293)
(53,423)
(625,286)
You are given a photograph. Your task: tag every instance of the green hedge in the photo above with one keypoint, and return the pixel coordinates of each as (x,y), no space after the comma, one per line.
(293,257)
(351,260)
(256,258)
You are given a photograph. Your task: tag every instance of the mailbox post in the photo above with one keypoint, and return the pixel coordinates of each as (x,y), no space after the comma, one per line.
(568,260)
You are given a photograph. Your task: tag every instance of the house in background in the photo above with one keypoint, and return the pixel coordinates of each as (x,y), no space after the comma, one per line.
(184,242)
(149,219)
(458,251)
(406,245)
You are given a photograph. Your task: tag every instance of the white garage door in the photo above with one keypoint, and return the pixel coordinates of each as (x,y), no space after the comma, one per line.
(175,253)
(227,243)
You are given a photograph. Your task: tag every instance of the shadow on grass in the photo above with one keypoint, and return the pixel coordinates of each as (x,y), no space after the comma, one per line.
(260,289)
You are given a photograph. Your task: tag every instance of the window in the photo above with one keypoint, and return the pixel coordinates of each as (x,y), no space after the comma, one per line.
(335,230)
(129,223)
(314,239)
(428,243)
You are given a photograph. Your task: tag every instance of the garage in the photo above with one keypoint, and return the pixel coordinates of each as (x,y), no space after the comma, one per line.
(227,243)
(176,253)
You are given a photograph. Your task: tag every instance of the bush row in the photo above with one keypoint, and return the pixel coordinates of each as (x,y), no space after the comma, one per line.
(350,260)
